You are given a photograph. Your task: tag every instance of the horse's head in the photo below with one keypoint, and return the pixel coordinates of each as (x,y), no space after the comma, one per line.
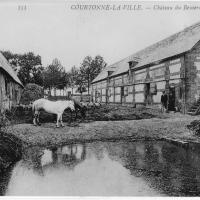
(70,104)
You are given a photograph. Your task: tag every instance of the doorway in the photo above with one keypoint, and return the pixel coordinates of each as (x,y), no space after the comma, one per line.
(171,99)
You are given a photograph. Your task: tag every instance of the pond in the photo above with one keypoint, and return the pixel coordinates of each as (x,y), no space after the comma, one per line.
(106,169)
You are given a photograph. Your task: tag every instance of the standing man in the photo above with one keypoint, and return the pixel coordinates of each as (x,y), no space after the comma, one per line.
(164,101)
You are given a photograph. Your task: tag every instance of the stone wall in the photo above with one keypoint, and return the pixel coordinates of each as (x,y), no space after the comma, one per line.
(192,75)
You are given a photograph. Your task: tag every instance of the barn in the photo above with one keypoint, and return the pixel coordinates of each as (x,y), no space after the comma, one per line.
(171,65)
(10,86)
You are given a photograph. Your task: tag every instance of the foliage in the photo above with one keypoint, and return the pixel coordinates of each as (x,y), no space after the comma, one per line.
(3,120)
(37,73)
(28,65)
(81,89)
(55,75)
(30,70)
(194,126)
(12,59)
(31,93)
(90,68)
(79,82)
(73,76)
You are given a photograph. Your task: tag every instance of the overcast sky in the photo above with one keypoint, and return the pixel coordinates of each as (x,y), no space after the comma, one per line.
(55,30)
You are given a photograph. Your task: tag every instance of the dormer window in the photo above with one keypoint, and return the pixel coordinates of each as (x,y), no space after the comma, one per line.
(133,62)
(110,72)
(130,64)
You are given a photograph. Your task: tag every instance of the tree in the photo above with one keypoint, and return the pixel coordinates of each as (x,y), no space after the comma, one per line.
(90,68)
(72,77)
(81,84)
(55,76)
(28,66)
(37,74)
(11,58)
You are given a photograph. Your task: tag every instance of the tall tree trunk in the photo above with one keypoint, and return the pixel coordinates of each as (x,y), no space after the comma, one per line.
(88,83)
(49,93)
(88,88)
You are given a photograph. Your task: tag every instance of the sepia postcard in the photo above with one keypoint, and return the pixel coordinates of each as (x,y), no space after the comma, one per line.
(99,98)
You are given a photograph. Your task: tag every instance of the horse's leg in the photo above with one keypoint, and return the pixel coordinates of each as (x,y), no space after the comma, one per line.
(34,119)
(61,121)
(38,118)
(58,118)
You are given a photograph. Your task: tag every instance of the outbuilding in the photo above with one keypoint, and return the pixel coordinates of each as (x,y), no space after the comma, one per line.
(10,86)
(171,65)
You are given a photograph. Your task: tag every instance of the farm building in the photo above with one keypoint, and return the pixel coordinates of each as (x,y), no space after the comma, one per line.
(55,94)
(10,86)
(172,64)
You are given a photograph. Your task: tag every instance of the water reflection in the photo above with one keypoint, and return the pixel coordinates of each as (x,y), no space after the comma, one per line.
(167,168)
(66,171)
(108,168)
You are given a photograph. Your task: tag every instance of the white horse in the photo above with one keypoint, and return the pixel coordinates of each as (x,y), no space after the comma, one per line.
(54,107)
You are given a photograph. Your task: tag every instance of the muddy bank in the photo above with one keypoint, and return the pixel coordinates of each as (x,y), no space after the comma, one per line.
(10,150)
(173,127)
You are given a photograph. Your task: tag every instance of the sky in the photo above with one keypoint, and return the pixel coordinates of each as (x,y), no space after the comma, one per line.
(60,29)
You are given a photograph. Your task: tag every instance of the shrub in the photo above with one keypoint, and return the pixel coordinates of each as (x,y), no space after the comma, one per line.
(195,127)
(3,121)
(31,93)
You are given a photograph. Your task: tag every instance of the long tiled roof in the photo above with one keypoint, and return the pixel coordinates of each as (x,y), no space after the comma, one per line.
(178,43)
(6,67)
(104,72)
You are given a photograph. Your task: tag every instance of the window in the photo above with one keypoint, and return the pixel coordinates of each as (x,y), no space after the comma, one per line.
(126,91)
(122,91)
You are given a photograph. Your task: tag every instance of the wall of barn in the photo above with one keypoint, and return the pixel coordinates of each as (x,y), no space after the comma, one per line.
(99,91)
(151,81)
(145,86)
(10,92)
(192,73)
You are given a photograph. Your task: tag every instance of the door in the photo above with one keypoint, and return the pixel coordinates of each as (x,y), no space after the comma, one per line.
(171,99)
(122,95)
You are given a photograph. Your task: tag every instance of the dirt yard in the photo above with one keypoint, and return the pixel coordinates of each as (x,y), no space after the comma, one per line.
(104,113)
(109,123)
